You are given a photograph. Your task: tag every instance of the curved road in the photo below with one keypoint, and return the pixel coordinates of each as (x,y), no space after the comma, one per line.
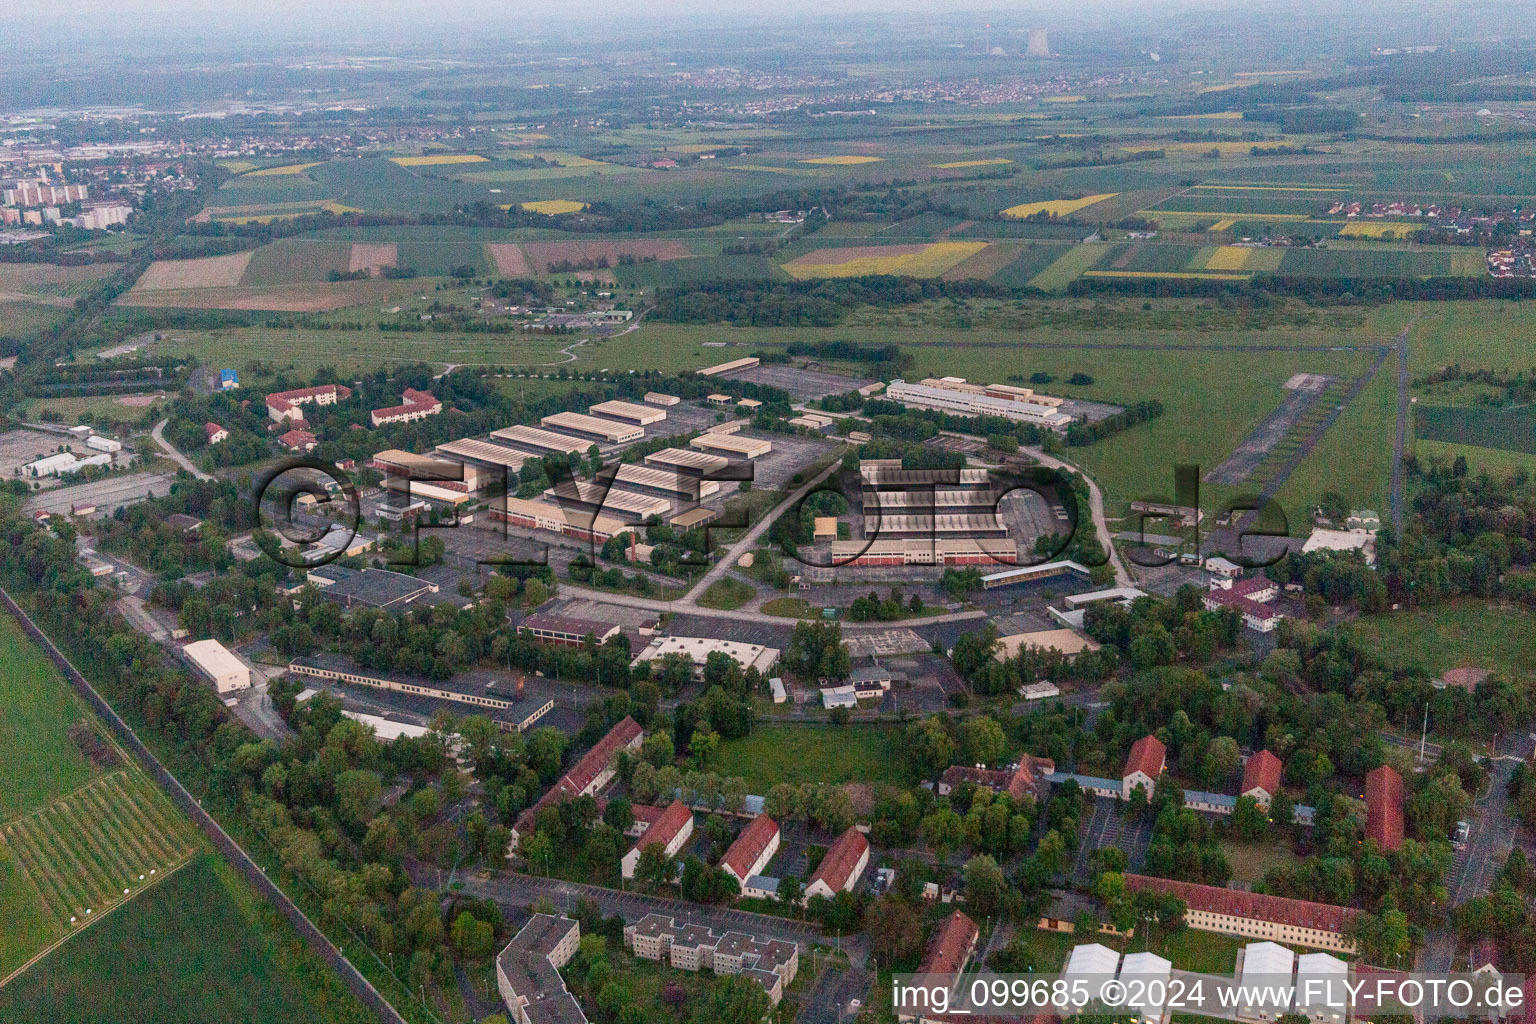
(170,450)
(1096,507)
(360,986)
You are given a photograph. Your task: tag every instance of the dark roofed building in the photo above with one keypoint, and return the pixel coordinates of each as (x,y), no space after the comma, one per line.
(569,630)
(528,972)
(370,588)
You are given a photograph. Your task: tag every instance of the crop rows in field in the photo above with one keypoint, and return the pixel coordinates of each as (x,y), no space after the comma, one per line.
(83,850)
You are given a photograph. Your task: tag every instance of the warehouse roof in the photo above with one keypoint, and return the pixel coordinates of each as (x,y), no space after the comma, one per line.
(546,440)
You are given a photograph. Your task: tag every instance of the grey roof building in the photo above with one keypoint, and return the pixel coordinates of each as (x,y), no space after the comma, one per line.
(528,972)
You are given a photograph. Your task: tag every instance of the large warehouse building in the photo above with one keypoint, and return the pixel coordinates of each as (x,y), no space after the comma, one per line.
(953,394)
(215,661)
(610,431)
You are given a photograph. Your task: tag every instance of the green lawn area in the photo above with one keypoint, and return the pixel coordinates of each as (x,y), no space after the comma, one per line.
(727,594)
(1252,861)
(812,753)
(1456,633)
(196,948)
(40,762)
(359,351)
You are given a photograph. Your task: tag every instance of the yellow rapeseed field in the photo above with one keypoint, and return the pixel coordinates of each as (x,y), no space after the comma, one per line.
(554,206)
(994,161)
(267,172)
(1376,229)
(842,161)
(1227,257)
(930,261)
(439,159)
(1244,257)
(1060,207)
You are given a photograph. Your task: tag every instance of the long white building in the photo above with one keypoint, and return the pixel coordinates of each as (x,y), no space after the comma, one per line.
(977,402)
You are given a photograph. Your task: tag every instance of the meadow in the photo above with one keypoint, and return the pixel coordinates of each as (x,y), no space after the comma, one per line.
(1453,634)
(812,753)
(41,761)
(304,350)
(193,948)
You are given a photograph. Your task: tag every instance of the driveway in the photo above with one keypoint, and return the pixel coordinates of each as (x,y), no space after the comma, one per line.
(170,451)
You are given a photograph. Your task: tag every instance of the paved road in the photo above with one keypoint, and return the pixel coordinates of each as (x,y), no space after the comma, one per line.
(749,539)
(568,589)
(1123,577)
(232,851)
(515,889)
(170,450)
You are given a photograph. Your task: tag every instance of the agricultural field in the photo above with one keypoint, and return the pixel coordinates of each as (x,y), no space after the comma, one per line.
(932,260)
(42,761)
(79,823)
(94,848)
(196,946)
(1068,267)
(48,284)
(795,754)
(1056,207)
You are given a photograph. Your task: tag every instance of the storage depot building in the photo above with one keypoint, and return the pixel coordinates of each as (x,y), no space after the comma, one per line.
(629,412)
(536,440)
(924,551)
(670,482)
(607,430)
(682,460)
(586,496)
(732,444)
(542,515)
(228,672)
(484,453)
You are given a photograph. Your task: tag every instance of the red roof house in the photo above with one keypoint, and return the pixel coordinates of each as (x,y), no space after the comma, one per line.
(298,441)
(951,946)
(1144,765)
(753,849)
(1384,807)
(1261,777)
(587,776)
(840,869)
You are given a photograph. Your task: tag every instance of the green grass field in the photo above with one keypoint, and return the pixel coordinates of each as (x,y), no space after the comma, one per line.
(1453,634)
(304,350)
(194,948)
(812,753)
(41,761)
(1069,267)
(1504,429)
